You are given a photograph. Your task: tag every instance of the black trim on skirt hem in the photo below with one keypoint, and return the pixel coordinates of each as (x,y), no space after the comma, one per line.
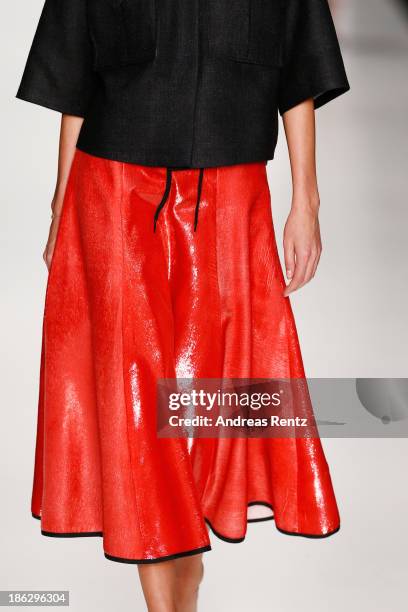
(254,520)
(269,518)
(312,536)
(260,503)
(187,553)
(67,534)
(261,518)
(73,534)
(197,550)
(85,534)
(225,538)
(222,537)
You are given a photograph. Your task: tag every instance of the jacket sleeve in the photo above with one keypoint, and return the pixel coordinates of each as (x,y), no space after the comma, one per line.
(58,73)
(312,62)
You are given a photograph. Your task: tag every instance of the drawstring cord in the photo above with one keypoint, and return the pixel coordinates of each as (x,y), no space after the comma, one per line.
(164,198)
(167,193)
(199,190)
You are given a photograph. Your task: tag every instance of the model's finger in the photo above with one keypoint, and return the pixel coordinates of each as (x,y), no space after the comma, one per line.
(289,255)
(299,274)
(316,262)
(309,268)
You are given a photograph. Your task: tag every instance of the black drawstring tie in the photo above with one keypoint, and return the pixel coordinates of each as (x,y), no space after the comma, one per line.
(164,198)
(167,193)
(199,190)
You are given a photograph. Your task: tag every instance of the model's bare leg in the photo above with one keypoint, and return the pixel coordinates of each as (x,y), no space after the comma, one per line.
(159,586)
(189,574)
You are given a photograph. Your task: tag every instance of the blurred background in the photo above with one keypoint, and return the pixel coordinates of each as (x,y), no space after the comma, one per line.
(352,322)
(358,299)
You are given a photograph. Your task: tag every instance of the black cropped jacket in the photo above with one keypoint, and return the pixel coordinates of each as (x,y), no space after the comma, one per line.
(194,83)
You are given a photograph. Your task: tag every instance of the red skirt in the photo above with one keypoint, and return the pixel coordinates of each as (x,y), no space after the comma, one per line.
(198,295)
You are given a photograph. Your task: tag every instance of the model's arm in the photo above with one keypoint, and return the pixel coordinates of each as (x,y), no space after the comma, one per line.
(69,132)
(302,243)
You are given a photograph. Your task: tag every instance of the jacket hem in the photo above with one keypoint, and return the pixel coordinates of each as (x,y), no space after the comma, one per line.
(162,161)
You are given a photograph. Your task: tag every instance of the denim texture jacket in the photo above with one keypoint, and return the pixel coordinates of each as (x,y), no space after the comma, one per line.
(191,83)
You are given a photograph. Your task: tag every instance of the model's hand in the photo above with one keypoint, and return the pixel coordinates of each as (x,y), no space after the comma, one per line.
(70,128)
(302,245)
(52,235)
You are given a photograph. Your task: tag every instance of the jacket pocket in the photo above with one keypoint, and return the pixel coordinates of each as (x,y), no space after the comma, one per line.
(122,31)
(246,30)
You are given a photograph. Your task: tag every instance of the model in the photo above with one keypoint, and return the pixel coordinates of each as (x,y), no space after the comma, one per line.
(163,264)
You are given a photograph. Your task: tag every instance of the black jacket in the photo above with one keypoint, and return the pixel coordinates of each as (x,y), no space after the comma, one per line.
(182,82)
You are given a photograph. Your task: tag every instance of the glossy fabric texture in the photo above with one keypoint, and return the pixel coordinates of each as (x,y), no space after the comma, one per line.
(126,305)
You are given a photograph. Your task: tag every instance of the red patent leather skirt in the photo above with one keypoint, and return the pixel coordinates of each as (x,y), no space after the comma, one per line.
(143,287)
